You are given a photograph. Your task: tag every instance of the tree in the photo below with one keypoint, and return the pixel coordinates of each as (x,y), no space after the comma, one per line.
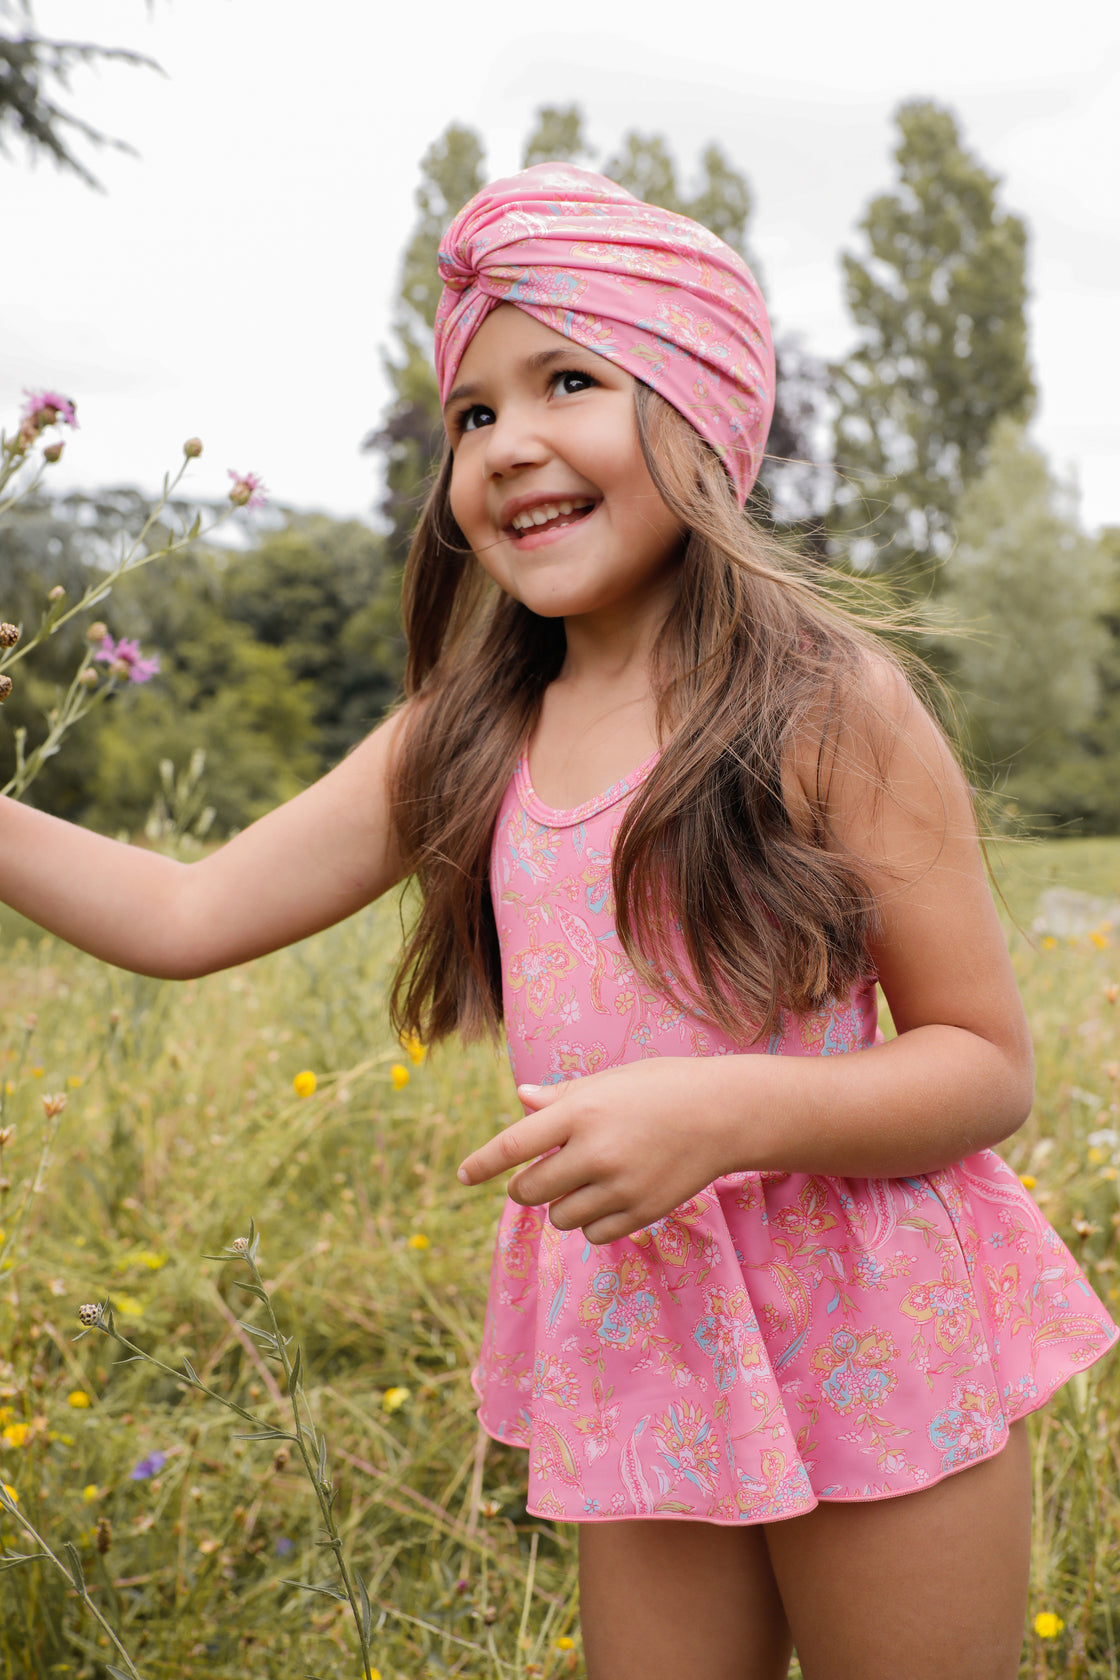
(32,68)
(557,138)
(1028,588)
(938,298)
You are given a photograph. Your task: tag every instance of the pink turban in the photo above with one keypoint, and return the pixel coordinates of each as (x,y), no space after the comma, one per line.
(652,291)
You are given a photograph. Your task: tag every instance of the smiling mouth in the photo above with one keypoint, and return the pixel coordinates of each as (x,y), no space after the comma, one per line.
(550,516)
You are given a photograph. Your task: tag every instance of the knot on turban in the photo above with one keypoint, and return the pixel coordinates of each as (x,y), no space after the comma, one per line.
(650,290)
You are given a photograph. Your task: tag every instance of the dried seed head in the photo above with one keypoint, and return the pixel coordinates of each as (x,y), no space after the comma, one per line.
(280,1458)
(5,687)
(54,1103)
(9,634)
(103,1535)
(7,1133)
(89,1314)
(53,452)
(97,631)
(240,1245)
(192,449)
(88,677)
(114,1017)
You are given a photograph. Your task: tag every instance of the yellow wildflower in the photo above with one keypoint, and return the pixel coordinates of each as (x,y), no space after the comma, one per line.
(394,1398)
(36,1073)
(304,1083)
(419,1240)
(79,1399)
(416,1051)
(1047,1625)
(148,1257)
(1049,943)
(11,1492)
(90,1492)
(1096,1156)
(10,1087)
(1100,940)
(129,1306)
(74,1080)
(565,1644)
(1027,1180)
(15,1434)
(399,1074)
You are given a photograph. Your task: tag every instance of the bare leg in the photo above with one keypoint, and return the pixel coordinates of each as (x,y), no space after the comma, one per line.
(931,1585)
(663,1599)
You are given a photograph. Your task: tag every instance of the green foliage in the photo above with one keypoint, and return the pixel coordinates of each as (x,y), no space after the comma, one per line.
(558,137)
(32,71)
(938,298)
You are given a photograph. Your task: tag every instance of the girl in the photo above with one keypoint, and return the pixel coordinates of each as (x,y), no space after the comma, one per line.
(767,1314)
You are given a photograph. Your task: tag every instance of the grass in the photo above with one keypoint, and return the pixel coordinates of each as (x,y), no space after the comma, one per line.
(182,1124)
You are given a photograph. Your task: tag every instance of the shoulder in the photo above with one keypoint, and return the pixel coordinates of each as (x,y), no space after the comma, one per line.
(876,769)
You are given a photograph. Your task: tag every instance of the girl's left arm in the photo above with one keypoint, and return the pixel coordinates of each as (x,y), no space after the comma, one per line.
(632,1143)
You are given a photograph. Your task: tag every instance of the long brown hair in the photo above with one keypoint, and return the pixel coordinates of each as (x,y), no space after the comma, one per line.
(711,861)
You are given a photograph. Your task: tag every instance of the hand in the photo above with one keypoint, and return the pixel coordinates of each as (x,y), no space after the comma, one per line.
(612,1152)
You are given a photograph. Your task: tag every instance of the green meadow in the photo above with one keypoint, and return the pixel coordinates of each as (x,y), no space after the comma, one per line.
(183,1122)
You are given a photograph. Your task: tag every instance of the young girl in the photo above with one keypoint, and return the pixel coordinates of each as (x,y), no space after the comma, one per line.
(768,1314)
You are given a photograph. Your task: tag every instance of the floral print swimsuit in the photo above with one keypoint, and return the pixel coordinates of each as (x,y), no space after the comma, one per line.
(781,1338)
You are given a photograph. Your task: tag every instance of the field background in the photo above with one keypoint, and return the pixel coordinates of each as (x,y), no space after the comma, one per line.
(182,1123)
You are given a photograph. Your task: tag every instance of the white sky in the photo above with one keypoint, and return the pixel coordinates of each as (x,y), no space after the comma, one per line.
(236,280)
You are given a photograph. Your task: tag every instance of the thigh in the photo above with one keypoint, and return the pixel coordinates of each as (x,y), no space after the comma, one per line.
(931,1584)
(663,1599)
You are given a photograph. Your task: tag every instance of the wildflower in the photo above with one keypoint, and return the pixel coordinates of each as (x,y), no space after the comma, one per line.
(154,1262)
(53,452)
(7,1133)
(399,1074)
(9,635)
(88,677)
(89,1314)
(240,1245)
(565,1644)
(124,661)
(1111,993)
(410,1042)
(248,491)
(192,449)
(280,1459)
(1049,943)
(419,1240)
(79,1399)
(74,1080)
(10,1492)
(1047,1625)
(48,408)
(57,593)
(1100,940)
(97,631)
(15,1434)
(90,1492)
(5,688)
(151,1465)
(284,1546)
(489,1507)
(1027,1180)
(304,1083)
(53,1104)
(394,1398)
(103,1535)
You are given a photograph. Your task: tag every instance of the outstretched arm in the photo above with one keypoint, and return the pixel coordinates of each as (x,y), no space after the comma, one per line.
(632,1143)
(303,867)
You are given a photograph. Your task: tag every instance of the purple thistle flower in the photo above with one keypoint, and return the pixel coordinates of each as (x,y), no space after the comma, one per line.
(149,1466)
(47,408)
(126,654)
(284,1546)
(248,490)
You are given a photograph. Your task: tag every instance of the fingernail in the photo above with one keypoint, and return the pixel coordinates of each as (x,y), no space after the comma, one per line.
(528,1087)
(463,1176)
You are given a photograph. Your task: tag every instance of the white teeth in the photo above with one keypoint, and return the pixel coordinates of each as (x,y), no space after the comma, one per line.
(532,517)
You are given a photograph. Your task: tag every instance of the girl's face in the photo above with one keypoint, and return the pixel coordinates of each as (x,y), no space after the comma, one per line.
(548,482)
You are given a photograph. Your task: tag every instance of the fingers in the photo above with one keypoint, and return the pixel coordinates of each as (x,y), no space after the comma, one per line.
(519,1143)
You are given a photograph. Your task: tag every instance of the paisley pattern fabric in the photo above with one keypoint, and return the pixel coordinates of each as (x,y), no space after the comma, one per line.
(650,290)
(781,1338)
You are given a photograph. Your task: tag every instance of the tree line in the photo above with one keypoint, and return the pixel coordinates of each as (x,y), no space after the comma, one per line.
(908,460)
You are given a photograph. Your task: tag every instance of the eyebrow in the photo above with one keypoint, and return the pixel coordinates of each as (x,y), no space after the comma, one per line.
(534,364)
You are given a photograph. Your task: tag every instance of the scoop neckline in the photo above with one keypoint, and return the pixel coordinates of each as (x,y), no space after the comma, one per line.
(555,818)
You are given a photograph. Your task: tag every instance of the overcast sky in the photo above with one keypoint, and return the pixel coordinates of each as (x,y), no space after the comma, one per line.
(235,281)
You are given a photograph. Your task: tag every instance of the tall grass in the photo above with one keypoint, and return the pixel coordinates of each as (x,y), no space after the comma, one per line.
(182,1124)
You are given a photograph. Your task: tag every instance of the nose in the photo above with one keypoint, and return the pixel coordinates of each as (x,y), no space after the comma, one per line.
(515,440)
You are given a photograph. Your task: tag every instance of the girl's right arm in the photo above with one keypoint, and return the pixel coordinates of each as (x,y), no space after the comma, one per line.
(304,866)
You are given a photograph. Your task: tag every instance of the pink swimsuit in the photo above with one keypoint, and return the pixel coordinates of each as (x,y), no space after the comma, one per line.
(780,1338)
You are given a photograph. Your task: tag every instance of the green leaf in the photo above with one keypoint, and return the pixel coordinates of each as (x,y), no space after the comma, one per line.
(252,1288)
(119,1673)
(297,1371)
(78,1574)
(307,1586)
(192,1374)
(322,1458)
(367,1612)
(265,1435)
(12,1560)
